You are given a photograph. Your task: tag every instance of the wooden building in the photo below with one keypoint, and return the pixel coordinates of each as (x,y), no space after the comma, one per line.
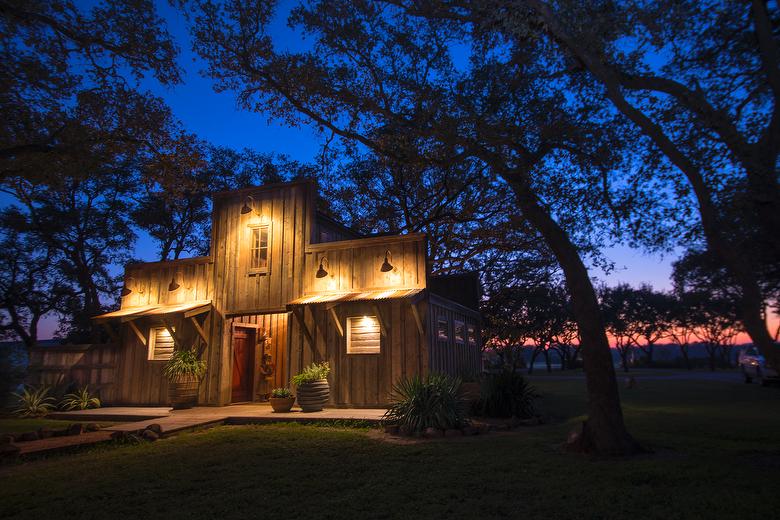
(285,286)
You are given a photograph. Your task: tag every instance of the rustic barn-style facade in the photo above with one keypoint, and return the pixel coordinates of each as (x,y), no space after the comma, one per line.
(285,286)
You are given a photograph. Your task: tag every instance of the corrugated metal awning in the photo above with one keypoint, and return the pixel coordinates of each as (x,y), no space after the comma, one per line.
(355,296)
(191,308)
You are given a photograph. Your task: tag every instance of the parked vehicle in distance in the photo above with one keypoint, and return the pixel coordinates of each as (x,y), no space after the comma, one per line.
(754,366)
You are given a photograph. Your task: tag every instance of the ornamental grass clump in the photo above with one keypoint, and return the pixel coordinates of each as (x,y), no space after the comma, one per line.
(313,372)
(431,402)
(281,393)
(33,402)
(81,399)
(184,364)
(506,394)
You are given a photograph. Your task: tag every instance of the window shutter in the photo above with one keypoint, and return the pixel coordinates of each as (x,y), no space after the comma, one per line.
(363,335)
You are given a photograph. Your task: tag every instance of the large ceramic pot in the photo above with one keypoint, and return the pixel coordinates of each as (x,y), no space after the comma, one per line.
(183,392)
(313,396)
(282,404)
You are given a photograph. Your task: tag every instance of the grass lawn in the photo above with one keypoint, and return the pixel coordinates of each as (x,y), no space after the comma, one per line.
(21,425)
(717,456)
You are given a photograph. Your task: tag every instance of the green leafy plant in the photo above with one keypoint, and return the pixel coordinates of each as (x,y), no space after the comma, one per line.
(184,363)
(281,393)
(311,373)
(431,402)
(81,399)
(33,402)
(506,394)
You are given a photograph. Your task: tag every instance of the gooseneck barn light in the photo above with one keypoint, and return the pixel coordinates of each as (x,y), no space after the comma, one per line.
(386,265)
(322,272)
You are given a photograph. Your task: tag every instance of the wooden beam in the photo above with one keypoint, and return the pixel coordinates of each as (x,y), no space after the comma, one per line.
(138,332)
(382,327)
(297,312)
(332,312)
(197,310)
(111,331)
(172,332)
(199,330)
(418,319)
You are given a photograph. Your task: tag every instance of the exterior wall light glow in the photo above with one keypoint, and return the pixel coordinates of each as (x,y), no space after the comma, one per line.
(322,272)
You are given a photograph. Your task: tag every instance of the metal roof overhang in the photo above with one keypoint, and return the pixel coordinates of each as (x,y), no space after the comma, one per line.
(356,296)
(130,313)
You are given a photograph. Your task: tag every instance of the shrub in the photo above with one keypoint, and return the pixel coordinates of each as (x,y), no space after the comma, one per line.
(184,363)
(33,402)
(281,393)
(432,402)
(311,373)
(81,399)
(506,394)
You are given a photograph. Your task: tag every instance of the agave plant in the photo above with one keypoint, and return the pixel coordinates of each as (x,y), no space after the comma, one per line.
(184,363)
(430,402)
(33,402)
(81,399)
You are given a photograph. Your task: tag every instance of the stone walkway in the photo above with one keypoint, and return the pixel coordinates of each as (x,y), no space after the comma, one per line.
(174,421)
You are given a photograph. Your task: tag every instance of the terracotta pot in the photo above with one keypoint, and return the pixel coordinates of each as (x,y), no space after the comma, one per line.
(183,392)
(313,396)
(282,404)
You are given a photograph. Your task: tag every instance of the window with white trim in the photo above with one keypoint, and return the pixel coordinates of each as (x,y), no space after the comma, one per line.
(460,332)
(160,344)
(442,328)
(472,334)
(259,249)
(363,335)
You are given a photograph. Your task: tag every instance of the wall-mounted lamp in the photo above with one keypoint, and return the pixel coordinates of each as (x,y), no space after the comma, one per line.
(247,207)
(322,272)
(125,289)
(386,265)
(173,285)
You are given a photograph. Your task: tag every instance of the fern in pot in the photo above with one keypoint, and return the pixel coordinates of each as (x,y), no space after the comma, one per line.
(184,371)
(312,387)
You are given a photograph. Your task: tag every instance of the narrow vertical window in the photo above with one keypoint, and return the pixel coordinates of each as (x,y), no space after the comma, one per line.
(442,328)
(258,254)
(160,344)
(460,332)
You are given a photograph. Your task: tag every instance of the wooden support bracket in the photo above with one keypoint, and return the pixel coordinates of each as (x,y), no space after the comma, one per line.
(382,327)
(418,319)
(199,330)
(335,316)
(138,332)
(172,332)
(298,313)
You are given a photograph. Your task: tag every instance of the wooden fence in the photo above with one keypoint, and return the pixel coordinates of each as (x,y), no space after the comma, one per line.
(80,365)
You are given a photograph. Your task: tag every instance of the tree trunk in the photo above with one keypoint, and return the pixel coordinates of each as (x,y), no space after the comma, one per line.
(686,359)
(604,432)
(547,360)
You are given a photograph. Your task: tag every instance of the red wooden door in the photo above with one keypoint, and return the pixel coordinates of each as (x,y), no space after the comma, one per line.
(242,367)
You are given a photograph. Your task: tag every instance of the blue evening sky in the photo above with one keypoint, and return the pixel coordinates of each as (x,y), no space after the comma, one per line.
(216,118)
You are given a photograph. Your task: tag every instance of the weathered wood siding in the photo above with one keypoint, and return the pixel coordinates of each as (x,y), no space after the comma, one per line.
(451,357)
(287,209)
(361,380)
(353,265)
(82,365)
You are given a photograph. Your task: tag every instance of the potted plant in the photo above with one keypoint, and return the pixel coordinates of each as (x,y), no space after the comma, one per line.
(312,387)
(184,371)
(281,400)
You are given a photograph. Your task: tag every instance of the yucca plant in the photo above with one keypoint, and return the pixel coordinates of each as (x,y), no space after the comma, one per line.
(81,399)
(33,402)
(184,363)
(431,402)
